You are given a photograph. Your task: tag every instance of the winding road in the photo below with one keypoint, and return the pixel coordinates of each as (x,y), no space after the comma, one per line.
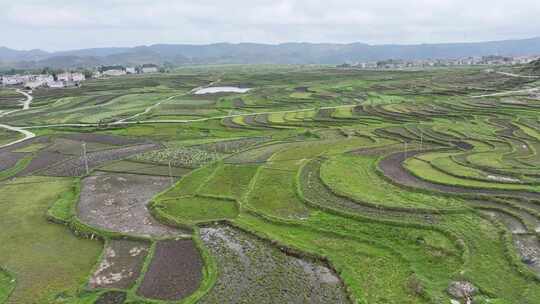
(529,90)
(26,103)
(27,134)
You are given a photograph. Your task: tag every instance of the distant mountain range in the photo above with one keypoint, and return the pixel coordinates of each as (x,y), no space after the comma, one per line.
(252,53)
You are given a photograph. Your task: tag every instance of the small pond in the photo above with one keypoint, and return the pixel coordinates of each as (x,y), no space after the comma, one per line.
(213,90)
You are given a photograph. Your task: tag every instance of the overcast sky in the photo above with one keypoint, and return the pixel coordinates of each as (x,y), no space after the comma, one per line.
(74,24)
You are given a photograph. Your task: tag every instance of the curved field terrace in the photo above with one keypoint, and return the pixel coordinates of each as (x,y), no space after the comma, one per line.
(392,167)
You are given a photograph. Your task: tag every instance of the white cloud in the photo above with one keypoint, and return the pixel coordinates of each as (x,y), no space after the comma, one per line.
(62,24)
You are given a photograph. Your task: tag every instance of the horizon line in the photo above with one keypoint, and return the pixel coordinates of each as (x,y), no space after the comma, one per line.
(269,44)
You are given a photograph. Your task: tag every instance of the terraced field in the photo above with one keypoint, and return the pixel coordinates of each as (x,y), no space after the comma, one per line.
(318,185)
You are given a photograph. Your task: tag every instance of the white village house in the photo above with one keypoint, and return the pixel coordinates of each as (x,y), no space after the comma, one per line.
(55,84)
(10,80)
(149,68)
(66,77)
(37,81)
(77,77)
(15,79)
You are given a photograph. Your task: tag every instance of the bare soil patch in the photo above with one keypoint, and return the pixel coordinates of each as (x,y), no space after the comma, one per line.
(174,273)
(103,139)
(120,265)
(262,119)
(325,114)
(74,147)
(41,161)
(9,159)
(528,248)
(251,270)
(76,167)
(302,89)
(251,121)
(229,123)
(35,140)
(118,202)
(239,103)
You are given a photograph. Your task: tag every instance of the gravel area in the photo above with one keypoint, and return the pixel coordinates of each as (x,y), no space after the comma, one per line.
(117,202)
(120,264)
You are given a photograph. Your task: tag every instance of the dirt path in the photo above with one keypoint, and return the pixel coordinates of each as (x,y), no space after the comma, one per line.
(392,168)
(506,93)
(26,103)
(27,135)
(6,113)
(518,76)
(147,110)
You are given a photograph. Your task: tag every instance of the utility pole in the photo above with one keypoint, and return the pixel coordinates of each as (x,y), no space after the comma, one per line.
(420,128)
(405,149)
(421,137)
(170,173)
(421,140)
(85,158)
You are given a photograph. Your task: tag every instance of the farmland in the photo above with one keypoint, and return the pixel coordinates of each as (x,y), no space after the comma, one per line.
(318,185)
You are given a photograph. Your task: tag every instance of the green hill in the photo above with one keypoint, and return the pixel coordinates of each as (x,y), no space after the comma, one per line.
(533,68)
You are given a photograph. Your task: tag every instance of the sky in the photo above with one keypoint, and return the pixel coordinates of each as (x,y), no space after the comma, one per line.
(54,25)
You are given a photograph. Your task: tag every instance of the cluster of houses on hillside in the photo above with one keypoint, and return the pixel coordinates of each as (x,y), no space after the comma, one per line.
(403,64)
(71,79)
(117,70)
(32,82)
